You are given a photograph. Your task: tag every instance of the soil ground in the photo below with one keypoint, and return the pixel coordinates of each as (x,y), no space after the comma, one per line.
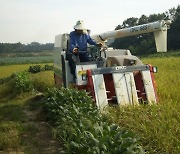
(37,137)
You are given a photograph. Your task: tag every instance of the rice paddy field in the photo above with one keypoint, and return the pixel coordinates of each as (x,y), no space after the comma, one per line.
(157,127)
(25,60)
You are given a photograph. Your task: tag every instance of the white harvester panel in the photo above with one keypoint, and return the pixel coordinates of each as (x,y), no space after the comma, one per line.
(120,88)
(100,90)
(125,88)
(148,86)
(131,88)
(124,84)
(81,73)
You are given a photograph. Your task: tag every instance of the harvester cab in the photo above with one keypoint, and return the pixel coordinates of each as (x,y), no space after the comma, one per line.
(113,76)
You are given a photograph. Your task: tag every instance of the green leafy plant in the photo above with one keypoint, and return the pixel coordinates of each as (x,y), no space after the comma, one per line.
(82,127)
(48,67)
(35,69)
(22,82)
(39,68)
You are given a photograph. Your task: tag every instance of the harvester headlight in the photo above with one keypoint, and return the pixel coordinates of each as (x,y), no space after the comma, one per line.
(154,69)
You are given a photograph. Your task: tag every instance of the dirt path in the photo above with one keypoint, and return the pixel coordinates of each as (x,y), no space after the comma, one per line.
(39,137)
(25,130)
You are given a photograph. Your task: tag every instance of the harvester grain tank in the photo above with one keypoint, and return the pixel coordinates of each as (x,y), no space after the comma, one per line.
(113,76)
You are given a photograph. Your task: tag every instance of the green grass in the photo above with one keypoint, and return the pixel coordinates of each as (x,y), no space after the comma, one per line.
(28,54)
(167,78)
(157,126)
(25,60)
(162,54)
(12,116)
(9,136)
(9,69)
(43,80)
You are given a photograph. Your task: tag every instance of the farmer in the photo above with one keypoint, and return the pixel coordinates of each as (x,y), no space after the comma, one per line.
(78,42)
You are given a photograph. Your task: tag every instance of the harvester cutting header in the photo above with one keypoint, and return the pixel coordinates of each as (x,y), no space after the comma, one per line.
(110,75)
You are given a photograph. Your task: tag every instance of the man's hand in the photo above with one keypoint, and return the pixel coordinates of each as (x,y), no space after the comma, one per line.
(75,50)
(99,44)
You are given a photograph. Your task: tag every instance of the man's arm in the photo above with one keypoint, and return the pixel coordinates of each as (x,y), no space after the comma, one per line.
(91,41)
(72,42)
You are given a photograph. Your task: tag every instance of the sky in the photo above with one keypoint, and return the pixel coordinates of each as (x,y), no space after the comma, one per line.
(27,21)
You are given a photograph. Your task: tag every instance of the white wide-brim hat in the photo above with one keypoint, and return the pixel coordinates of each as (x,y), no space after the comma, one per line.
(80,25)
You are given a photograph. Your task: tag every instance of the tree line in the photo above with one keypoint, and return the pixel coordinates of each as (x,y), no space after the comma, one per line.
(140,44)
(19,47)
(145,43)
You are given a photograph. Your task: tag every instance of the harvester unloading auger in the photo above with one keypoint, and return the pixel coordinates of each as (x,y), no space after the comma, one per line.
(113,75)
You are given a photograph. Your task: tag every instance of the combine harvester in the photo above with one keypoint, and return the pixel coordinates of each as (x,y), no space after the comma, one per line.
(113,76)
